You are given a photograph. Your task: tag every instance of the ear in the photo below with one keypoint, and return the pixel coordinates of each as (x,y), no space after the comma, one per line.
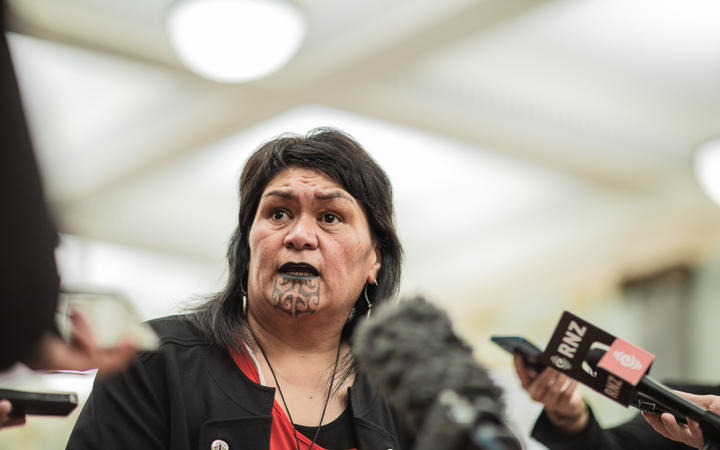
(375,267)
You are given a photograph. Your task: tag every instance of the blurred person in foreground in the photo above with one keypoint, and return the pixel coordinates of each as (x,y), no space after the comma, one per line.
(266,363)
(28,276)
(568,423)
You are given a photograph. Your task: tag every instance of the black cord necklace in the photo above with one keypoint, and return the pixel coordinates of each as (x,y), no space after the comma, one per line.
(327,399)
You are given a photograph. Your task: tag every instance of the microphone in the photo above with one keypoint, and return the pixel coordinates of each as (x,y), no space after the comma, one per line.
(618,370)
(653,396)
(428,374)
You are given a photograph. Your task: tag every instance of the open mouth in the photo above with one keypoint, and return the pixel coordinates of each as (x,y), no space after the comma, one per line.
(298,271)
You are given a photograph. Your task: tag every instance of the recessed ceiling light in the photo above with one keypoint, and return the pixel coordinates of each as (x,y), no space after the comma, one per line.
(234,41)
(707,168)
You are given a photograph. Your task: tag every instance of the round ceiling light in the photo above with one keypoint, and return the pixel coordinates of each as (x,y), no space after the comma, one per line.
(707,168)
(233,41)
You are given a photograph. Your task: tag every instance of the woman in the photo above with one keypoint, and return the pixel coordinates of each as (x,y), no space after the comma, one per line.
(266,364)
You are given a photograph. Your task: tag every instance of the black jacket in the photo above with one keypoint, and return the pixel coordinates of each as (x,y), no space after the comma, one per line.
(189,393)
(634,434)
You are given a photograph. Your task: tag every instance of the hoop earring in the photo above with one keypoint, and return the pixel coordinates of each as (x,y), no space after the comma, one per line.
(367,300)
(244,300)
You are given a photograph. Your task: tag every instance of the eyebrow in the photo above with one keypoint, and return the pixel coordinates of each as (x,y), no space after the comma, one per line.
(281,194)
(333,195)
(328,196)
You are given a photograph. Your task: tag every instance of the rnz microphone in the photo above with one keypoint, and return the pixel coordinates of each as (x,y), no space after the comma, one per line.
(429,375)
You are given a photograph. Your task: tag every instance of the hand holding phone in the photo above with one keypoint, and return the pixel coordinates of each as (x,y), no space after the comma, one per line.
(563,403)
(99,331)
(109,317)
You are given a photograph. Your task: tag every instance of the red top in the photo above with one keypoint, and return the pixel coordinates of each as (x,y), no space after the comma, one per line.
(282,435)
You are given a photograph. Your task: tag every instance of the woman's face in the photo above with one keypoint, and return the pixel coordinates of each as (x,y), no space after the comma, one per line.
(310,245)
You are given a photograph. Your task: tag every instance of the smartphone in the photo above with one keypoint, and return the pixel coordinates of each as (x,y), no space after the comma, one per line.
(529,352)
(40,403)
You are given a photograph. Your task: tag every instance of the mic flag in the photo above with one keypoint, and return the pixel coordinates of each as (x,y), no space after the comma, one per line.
(619,370)
(623,364)
(627,362)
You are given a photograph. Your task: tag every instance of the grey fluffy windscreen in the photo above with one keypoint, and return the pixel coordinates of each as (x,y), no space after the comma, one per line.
(412,353)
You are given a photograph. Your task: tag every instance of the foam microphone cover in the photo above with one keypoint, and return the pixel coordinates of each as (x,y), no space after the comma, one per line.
(410,351)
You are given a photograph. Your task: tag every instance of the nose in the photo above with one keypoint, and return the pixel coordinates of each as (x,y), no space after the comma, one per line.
(302,234)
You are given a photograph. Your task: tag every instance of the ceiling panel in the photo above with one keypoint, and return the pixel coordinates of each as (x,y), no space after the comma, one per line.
(537,117)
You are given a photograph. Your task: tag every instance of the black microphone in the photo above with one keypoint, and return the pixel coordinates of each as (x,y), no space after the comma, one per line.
(653,396)
(428,374)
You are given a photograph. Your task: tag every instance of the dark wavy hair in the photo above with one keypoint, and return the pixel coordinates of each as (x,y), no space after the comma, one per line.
(341,158)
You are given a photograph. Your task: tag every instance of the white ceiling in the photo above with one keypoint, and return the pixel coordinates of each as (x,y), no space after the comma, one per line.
(542,141)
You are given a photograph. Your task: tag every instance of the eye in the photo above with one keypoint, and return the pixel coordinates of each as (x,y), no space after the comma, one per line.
(330,218)
(278,214)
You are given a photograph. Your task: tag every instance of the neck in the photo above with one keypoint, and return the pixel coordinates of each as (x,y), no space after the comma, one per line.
(286,344)
(305,378)
(307,334)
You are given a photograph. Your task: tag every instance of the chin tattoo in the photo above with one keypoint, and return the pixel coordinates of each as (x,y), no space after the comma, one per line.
(295,297)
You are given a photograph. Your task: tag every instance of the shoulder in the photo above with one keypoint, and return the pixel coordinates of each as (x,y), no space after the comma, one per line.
(182,351)
(177,329)
(177,335)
